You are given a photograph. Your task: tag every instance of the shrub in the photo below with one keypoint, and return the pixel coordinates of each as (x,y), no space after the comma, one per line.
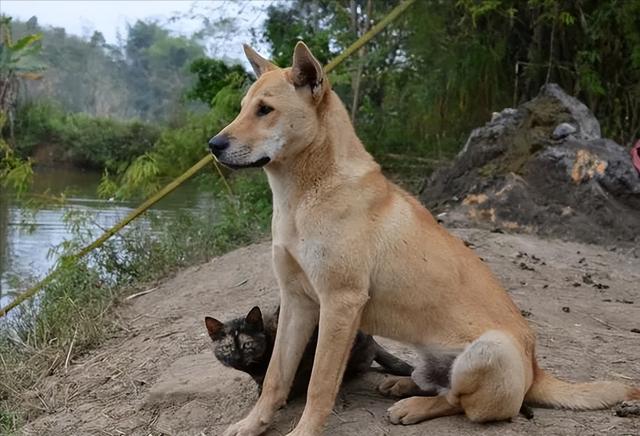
(83,140)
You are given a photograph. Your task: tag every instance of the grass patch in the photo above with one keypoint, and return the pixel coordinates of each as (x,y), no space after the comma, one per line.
(74,312)
(9,422)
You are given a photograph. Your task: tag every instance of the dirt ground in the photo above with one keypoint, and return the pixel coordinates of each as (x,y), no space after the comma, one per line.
(157,375)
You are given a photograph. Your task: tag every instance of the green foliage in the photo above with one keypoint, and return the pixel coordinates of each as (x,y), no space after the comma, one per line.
(18,60)
(287,25)
(176,149)
(19,57)
(83,140)
(14,172)
(212,75)
(9,420)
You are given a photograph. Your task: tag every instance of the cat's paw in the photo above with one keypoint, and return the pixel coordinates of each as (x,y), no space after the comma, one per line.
(398,387)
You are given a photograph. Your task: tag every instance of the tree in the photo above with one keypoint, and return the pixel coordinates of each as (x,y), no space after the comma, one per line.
(212,75)
(158,68)
(17,61)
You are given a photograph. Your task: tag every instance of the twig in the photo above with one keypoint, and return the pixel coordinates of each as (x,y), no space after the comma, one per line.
(164,335)
(66,362)
(140,294)
(223,178)
(604,323)
(622,376)
(240,283)
(553,31)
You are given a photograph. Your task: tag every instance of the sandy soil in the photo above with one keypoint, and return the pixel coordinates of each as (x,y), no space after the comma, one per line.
(157,375)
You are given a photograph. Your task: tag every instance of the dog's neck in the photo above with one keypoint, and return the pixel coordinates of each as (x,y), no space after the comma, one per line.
(333,155)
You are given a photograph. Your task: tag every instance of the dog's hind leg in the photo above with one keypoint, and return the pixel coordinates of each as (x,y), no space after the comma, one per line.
(403,387)
(489,380)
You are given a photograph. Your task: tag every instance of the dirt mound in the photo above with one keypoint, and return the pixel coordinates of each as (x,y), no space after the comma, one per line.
(542,168)
(158,376)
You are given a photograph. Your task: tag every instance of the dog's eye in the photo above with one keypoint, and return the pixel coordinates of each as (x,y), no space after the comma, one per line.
(263,110)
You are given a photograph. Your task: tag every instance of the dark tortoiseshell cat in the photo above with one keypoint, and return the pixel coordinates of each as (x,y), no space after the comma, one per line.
(246,344)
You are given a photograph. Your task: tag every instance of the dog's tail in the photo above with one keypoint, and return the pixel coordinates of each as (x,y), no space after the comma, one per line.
(548,391)
(390,363)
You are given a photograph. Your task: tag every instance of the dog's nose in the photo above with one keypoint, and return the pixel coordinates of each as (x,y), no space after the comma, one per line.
(218,143)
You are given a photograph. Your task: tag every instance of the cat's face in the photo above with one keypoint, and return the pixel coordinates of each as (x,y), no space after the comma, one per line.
(239,343)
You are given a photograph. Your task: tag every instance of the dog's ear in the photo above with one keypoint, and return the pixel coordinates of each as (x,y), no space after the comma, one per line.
(259,64)
(307,71)
(214,327)
(254,319)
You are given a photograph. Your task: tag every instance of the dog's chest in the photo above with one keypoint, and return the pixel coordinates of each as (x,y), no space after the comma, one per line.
(302,248)
(298,255)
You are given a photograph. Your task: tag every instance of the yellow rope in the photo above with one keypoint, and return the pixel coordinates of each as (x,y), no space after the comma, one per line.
(395,13)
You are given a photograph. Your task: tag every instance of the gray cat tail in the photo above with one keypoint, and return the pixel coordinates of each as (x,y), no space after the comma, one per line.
(390,363)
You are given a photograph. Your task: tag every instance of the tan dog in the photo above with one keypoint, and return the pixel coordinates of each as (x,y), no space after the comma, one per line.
(351,249)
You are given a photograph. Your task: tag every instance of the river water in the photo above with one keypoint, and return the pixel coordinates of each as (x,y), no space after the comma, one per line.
(26,240)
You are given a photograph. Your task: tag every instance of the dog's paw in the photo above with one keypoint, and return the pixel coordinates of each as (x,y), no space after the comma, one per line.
(398,387)
(417,409)
(297,432)
(407,411)
(246,427)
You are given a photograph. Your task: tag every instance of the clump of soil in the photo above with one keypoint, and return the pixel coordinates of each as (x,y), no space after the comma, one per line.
(157,375)
(542,168)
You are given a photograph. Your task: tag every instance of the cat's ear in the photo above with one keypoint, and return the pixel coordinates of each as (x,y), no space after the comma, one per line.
(214,327)
(254,318)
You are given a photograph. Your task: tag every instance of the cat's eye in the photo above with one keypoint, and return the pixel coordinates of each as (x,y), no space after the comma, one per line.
(263,110)
(246,346)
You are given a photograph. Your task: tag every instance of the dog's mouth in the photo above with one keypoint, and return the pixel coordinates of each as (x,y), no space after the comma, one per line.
(257,164)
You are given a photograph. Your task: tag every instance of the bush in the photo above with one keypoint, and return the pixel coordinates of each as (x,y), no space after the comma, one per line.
(176,149)
(211,76)
(81,139)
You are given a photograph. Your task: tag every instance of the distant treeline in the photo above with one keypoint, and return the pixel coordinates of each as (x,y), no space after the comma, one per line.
(144,77)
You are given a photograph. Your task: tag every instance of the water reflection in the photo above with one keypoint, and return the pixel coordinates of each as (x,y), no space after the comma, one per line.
(25,241)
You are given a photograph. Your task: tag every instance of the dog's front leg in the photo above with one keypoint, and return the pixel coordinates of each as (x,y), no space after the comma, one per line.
(340,314)
(297,320)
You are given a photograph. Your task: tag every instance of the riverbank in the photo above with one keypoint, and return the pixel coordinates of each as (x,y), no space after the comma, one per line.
(155,372)
(75,313)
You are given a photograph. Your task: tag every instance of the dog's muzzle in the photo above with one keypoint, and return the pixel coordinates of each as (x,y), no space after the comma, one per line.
(219,143)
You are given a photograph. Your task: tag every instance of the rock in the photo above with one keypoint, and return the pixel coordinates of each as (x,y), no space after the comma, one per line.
(587,124)
(542,168)
(627,408)
(563,130)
